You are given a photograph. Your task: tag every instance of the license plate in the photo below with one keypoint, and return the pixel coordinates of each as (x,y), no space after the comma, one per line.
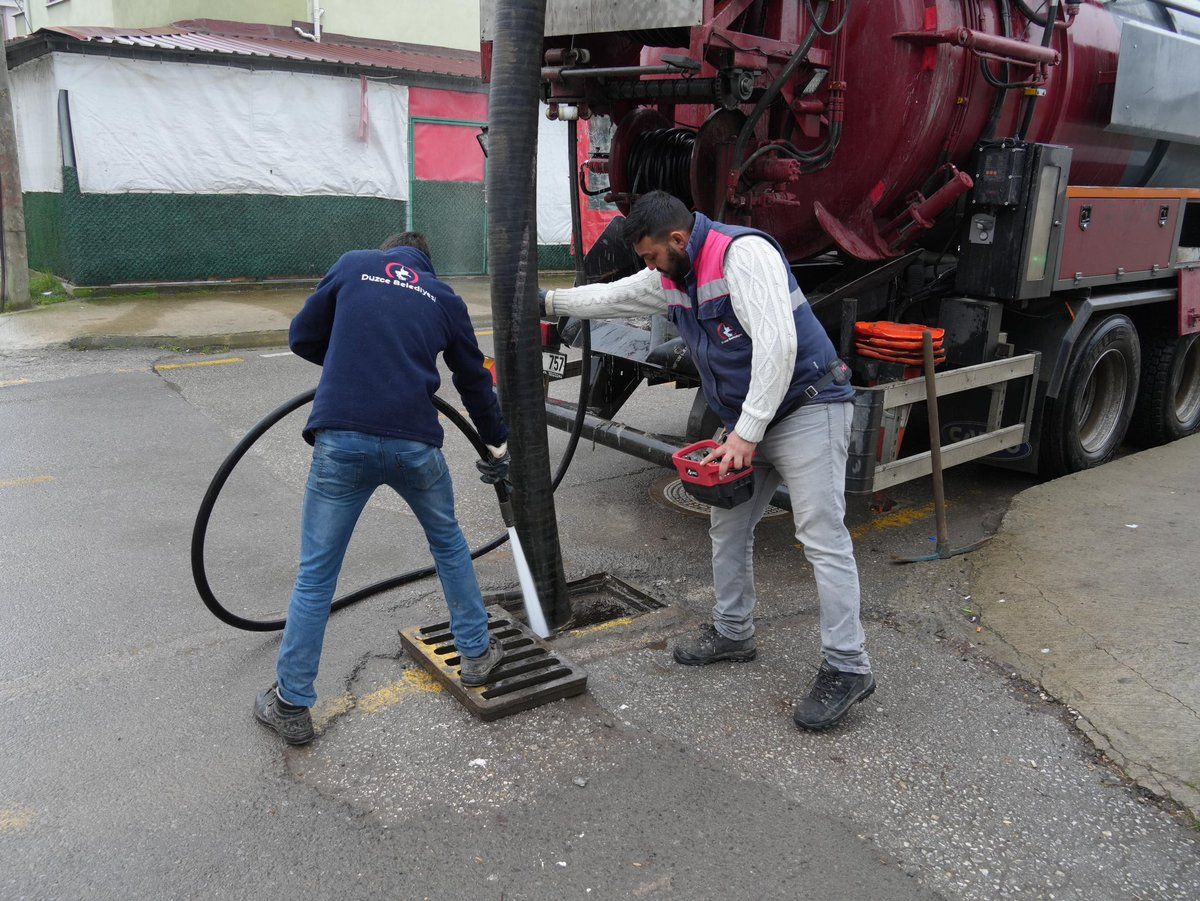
(554,365)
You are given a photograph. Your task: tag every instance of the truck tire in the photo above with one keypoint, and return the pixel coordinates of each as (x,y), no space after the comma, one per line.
(1168,404)
(1085,425)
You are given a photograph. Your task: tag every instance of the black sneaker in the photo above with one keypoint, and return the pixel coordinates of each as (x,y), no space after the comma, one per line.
(831,696)
(476,671)
(708,646)
(294,724)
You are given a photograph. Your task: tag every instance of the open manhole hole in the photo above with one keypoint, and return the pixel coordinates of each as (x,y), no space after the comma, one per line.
(595,599)
(670,491)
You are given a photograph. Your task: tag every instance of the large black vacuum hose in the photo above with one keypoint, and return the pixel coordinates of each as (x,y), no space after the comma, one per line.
(513,110)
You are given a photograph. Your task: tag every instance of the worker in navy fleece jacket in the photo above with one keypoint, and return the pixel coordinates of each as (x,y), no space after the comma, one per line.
(376,324)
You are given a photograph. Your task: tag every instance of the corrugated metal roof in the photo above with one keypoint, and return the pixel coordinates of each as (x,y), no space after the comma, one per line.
(271,42)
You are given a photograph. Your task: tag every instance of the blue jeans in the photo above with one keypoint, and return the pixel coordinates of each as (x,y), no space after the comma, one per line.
(346,469)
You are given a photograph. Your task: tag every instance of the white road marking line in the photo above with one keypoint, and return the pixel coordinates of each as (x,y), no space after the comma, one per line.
(284,353)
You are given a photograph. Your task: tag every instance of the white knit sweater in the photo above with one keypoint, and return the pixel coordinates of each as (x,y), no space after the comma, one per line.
(758,291)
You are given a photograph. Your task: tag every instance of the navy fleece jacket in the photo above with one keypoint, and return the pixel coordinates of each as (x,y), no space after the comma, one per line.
(376,324)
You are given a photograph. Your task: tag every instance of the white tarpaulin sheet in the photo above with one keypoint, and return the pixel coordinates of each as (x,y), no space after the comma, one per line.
(186,128)
(553,182)
(35,112)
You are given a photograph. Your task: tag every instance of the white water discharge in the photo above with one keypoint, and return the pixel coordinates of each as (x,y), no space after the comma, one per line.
(533,609)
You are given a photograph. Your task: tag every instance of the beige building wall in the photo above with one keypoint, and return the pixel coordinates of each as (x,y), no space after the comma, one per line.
(444,23)
(441,23)
(40,13)
(141,13)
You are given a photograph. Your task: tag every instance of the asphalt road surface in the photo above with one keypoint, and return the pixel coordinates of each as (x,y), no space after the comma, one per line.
(130,765)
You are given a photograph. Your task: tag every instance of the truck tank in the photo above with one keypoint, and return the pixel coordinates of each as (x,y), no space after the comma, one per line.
(905,91)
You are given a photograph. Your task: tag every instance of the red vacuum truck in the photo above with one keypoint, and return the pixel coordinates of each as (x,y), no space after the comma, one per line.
(1023,174)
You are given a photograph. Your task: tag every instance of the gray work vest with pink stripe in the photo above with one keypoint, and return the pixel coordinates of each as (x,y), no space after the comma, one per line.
(701,311)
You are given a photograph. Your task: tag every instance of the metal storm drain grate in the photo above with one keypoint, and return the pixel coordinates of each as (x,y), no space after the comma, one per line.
(530,675)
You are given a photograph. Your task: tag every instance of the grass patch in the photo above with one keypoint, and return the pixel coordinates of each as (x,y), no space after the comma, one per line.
(45,289)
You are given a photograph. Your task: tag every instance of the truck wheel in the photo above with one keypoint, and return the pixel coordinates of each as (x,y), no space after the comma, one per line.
(1168,404)
(1085,424)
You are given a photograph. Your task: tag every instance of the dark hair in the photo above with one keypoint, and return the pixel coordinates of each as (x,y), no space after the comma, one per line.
(655,214)
(408,239)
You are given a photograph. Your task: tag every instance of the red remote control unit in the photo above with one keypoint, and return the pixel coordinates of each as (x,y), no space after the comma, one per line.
(703,480)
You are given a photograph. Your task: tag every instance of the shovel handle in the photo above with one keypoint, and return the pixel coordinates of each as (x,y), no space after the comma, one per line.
(935,446)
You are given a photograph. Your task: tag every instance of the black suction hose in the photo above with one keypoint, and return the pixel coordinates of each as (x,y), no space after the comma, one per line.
(225,470)
(204,514)
(200,529)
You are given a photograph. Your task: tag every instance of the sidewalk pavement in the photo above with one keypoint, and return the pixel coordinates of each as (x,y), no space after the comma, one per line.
(1090,590)
(202,319)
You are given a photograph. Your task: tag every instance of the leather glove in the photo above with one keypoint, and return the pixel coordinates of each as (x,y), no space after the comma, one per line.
(542,292)
(495,470)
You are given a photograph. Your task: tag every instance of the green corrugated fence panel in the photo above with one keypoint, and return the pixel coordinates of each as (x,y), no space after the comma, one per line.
(102,239)
(44,233)
(166,237)
(453,218)
(555,256)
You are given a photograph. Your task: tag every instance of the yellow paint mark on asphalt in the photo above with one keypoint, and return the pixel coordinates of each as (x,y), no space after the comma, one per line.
(331,709)
(895,520)
(32,480)
(14,819)
(163,367)
(413,682)
(12,382)
(601,627)
(484,332)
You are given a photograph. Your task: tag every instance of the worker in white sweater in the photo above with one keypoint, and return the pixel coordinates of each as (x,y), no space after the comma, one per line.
(770,372)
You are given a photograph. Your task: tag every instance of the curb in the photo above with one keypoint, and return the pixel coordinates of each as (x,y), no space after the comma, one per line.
(134,290)
(191,343)
(182,343)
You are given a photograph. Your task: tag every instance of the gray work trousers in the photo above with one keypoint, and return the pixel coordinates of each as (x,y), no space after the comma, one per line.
(807,452)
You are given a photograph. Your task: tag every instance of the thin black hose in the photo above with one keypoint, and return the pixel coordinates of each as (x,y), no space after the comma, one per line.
(768,97)
(1028,12)
(821,24)
(585,372)
(812,160)
(1002,84)
(1047,37)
